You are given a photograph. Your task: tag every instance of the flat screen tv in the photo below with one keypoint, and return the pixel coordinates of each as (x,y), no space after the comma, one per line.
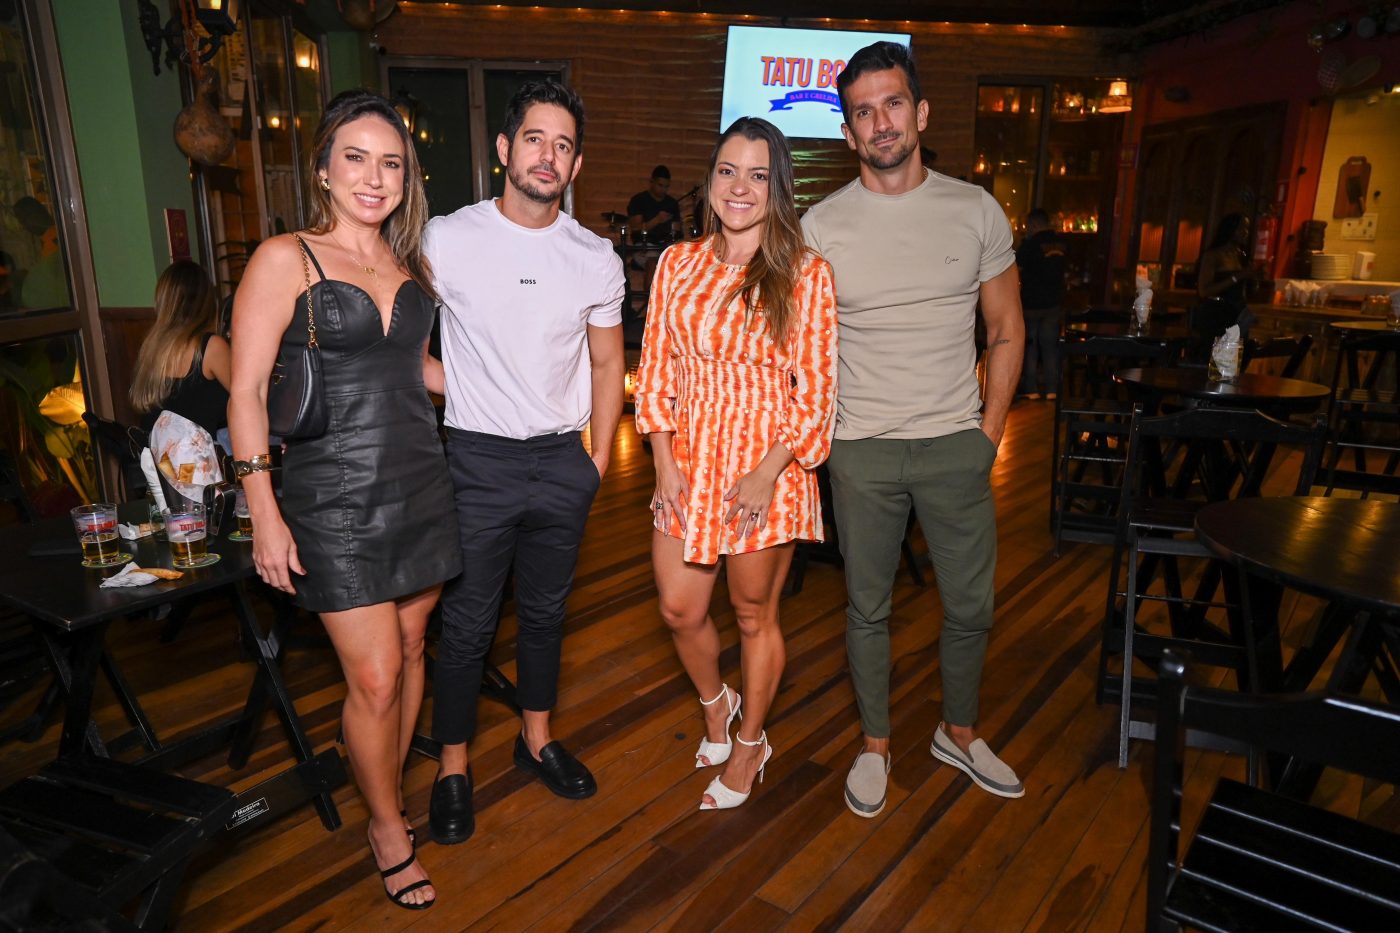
(788,76)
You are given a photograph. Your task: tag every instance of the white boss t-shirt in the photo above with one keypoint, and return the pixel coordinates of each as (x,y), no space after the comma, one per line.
(517,303)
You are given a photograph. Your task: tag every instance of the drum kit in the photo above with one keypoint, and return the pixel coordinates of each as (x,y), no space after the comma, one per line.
(659,237)
(640,252)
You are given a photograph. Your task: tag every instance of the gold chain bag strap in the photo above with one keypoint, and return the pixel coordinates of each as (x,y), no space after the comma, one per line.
(296,396)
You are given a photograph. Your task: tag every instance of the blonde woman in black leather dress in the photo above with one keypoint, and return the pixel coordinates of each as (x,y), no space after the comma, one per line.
(364,533)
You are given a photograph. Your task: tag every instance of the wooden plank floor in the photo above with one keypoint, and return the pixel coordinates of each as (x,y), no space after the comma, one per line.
(942,856)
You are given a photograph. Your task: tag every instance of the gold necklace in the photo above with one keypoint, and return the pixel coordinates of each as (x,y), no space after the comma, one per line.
(369,270)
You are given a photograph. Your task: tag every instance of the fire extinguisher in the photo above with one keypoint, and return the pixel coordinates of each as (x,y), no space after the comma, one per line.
(1266,238)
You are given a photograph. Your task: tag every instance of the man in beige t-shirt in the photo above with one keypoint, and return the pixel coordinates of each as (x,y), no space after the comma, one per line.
(914,253)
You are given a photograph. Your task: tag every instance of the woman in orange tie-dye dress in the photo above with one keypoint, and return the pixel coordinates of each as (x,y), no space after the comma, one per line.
(737,389)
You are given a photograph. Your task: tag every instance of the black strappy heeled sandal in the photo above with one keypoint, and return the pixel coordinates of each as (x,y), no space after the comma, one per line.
(397,896)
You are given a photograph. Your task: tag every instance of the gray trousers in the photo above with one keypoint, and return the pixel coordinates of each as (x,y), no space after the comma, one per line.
(874,483)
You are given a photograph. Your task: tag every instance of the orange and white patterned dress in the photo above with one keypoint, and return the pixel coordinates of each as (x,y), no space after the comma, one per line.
(728,392)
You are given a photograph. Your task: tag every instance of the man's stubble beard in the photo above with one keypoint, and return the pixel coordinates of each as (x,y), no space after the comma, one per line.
(531,189)
(893,159)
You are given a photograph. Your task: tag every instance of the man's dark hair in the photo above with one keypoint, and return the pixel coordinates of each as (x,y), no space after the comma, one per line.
(661,171)
(547,91)
(879,56)
(1038,215)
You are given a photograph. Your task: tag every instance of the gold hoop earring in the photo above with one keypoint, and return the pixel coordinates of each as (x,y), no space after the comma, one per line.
(325,183)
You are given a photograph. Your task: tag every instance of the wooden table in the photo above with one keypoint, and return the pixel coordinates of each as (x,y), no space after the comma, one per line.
(59,592)
(1370,325)
(1341,550)
(1157,330)
(1270,394)
(1338,549)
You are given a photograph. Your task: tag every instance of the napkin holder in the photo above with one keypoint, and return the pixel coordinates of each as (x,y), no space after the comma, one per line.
(219,501)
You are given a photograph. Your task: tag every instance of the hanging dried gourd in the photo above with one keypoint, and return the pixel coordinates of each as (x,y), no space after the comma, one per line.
(201,131)
(363,14)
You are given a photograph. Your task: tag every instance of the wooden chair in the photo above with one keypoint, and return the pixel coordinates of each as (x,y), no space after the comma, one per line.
(108,835)
(1261,861)
(22,660)
(35,897)
(123,443)
(1292,350)
(1089,441)
(1363,415)
(1221,454)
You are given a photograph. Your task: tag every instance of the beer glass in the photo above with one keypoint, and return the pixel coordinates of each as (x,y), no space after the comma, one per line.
(185,530)
(245,518)
(96,525)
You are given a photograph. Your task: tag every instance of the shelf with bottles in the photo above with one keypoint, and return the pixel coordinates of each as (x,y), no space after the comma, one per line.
(1008,101)
(1077,100)
(1078,157)
(1067,222)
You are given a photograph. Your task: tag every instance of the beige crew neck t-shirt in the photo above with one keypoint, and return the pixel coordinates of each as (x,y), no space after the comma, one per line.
(908,271)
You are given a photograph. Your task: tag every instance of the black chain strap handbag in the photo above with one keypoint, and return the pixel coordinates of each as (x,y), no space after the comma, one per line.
(296,396)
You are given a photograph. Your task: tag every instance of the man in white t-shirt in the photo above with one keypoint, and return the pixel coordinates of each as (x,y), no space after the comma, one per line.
(914,254)
(532,349)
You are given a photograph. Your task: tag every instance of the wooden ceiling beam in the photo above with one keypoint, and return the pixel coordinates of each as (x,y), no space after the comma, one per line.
(1119,14)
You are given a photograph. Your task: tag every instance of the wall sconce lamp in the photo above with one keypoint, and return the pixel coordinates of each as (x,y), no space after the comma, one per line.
(1118,100)
(407,107)
(217,18)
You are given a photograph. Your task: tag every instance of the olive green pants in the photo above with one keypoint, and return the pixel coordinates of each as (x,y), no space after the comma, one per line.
(874,483)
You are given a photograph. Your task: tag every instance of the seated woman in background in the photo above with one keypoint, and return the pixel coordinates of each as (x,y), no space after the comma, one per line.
(183,365)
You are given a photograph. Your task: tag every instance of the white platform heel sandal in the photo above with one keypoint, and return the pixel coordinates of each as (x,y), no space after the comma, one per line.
(717,753)
(726,799)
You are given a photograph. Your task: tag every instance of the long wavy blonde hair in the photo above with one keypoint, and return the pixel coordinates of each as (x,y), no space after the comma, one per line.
(403,229)
(771,276)
(185,310)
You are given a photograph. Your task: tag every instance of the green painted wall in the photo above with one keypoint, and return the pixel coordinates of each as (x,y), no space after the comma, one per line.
(123,119)
(350,62)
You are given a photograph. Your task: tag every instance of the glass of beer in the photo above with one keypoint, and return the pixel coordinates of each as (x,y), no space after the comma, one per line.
(96,525)
(245,518)
(185,530)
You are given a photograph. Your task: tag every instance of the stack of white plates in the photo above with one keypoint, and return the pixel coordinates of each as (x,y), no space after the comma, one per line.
(1331,266)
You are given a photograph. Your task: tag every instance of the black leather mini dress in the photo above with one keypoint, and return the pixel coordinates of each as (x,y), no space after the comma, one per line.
(369,503)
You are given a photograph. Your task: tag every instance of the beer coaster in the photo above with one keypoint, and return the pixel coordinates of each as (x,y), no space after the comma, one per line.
(239,536)
(206,561)
(122,558)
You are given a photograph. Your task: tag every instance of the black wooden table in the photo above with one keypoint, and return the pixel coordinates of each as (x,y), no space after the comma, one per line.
(1340,550)
(1156,330)
(1370,325)
(59,592)
(1273,395)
